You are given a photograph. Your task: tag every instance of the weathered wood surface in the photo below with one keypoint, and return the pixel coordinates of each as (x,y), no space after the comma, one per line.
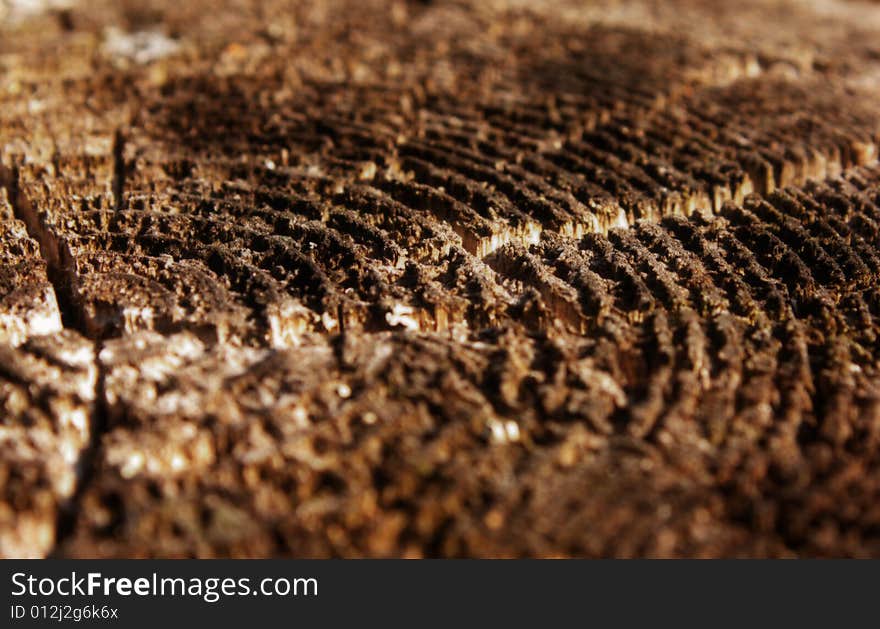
(439,279)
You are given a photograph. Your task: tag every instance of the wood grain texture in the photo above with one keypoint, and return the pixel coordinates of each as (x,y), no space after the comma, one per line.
(440,279)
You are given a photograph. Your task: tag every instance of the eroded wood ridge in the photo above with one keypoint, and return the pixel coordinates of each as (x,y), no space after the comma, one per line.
(444,279)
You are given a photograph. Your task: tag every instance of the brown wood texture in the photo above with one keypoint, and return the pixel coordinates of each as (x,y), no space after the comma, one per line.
(467,278)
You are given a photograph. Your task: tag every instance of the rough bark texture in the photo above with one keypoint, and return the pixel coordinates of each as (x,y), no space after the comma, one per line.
(439,278)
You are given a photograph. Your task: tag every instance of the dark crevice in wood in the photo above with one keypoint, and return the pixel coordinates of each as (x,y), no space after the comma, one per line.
(118,168)
(88,462)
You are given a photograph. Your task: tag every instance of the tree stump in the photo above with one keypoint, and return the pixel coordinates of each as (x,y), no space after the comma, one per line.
(439,279)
